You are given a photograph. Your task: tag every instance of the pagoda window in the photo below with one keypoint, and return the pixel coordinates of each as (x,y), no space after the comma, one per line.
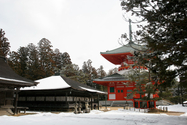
(121,91)
(129,90)
(136,104)
(111,89)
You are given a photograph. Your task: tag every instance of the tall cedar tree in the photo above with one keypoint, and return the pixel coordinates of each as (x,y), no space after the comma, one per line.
(33,63)
(19,61)
(4,45)
(87,70)
(165,34)
(57,60)
(66,60)
(46,57)
(101,73)
(23,53)
(14,61)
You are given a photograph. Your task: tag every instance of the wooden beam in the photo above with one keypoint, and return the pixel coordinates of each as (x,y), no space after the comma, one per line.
(16,101)
(98,101)
(6,89)
(91,104)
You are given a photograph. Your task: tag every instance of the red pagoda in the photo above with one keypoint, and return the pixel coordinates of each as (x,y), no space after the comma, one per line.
(118,90)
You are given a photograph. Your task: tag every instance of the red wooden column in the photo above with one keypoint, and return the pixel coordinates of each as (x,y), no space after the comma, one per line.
(154,104)
(147,104)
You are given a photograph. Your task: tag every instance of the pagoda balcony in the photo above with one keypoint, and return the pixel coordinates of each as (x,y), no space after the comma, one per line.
(129,67)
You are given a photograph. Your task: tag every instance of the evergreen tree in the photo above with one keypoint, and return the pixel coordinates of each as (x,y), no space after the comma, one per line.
(183,87)
(46,57)
(70,70)
(112,71)
(23,53)
(66,60)
(164,33)
(4,45)
(143,79)
(82,77)
(57,61)
(34,69)
(87,69)
(18,61)
(101,73)
(14,61)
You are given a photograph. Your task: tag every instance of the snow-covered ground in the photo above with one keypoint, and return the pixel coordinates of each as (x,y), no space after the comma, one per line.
(114,117)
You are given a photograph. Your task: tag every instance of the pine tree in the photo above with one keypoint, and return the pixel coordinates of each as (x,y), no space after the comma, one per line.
(23,53)
(66,60)
(143,80)
(14,61)
(112,71)
(46,57)
(164,33)
(101,73)
(87,69)
(57,61)
(4,45)
(34,69)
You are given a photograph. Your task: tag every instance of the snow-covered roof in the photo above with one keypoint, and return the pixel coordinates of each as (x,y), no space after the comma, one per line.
(61,82)
(130,47)
(119,55)
(52,82)
(11,78)
(113,77)
(15,80)
(92,90)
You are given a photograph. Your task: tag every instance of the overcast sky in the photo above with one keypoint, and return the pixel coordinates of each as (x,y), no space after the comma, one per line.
(83,28)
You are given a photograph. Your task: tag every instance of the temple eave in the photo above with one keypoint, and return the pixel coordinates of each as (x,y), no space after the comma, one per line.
(116,58)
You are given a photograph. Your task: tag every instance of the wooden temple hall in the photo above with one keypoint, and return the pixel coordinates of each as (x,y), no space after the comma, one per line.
(10,84)
(55,93)
(58,93)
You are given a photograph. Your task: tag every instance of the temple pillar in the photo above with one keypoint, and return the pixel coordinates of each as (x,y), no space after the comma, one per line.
(91,104)
(98,101)
(16,101)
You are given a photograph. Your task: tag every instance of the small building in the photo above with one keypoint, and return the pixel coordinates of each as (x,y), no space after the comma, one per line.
(10,84)
(118,84)
(58,93)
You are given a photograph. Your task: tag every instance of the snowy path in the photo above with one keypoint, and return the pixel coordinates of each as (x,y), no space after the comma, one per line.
(115,117)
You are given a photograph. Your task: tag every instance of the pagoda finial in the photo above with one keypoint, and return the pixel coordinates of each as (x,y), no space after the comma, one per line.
(130,32)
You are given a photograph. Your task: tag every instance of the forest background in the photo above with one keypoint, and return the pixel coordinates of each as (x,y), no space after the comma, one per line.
(39,61)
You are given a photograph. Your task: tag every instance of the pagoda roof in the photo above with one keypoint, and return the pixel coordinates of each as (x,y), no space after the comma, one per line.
(9,78)
(117,56)
(112,78)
